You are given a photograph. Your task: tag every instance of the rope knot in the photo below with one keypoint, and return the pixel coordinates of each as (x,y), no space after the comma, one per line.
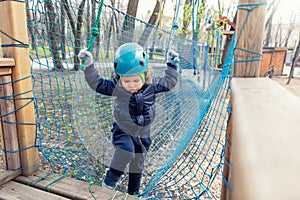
(95,32)
(175,26)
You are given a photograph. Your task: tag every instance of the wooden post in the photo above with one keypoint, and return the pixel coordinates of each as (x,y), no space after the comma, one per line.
(225,192)
(249,44)
(13,23)
(9,130)
(249,38)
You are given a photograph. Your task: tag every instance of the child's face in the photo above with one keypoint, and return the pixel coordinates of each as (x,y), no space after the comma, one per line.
(132,84)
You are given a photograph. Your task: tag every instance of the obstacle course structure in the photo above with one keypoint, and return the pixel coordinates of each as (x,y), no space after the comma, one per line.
(69,130)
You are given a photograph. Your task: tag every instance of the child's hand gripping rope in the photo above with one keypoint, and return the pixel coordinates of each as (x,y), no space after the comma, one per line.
(173,57)
(86,58)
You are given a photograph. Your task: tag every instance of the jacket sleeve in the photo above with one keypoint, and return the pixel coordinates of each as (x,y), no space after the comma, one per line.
(97,83)
(169,81)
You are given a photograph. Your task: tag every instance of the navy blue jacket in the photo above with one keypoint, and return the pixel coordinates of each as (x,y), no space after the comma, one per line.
(133,112)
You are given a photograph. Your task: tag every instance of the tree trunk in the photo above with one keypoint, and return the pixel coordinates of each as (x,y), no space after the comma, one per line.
(277,35)
(227,43)
(76,29)
(269,31)
(94,11)
(97,42)
(88,16)
(268,26)
(200,15)
(29,25)
(129,22)
(63,33)
(290,30)
(111,28)
(78,33)
(52,30)
(294,61)
(152,21)
(187,17)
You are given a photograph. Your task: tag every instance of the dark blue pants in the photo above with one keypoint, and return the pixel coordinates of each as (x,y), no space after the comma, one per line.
(128,150)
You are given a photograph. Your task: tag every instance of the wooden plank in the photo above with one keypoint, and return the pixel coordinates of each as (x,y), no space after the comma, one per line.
(17,191)
(225,191)
(7,62)
(5,71)
(265,138)
(13,22)
(8,175)
(227,32)
(5,66)
(70,188)
(2,155)
(9,127)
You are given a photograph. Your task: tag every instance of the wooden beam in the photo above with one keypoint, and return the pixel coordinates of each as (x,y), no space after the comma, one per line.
(9,175)
(9,127)
(70,188)
(13,22)
(227,32)
(265,140)
(5,71)
(5,66)
(3,164)
(249,38)
(14,190)
(225,191)
(7,62)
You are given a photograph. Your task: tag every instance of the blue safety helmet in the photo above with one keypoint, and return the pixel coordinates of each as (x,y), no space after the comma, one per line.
(130,60)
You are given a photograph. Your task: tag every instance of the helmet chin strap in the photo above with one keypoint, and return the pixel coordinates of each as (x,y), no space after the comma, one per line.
(143,76)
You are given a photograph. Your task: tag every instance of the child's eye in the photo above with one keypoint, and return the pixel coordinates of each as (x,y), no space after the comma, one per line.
(137,80)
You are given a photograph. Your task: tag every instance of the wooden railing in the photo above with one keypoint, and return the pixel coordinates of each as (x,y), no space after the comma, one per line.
(8,131)
(265,141)
(13,23)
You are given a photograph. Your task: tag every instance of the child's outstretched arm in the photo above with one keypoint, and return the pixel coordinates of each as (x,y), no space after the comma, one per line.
(166,83)
(94,80)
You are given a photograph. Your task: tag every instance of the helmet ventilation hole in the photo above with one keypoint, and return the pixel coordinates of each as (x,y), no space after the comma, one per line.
(142,63)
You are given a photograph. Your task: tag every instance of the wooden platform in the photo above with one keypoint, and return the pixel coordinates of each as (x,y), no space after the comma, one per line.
(53,187)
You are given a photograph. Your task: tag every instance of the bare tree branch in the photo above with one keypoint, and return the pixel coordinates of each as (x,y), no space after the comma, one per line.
(295,59)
